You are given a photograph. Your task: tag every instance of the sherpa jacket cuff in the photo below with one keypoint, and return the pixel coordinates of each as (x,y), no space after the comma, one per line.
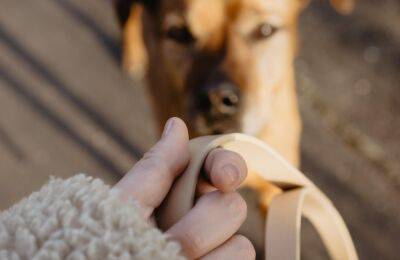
(80,218)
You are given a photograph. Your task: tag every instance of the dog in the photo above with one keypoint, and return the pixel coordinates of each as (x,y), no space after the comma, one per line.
(222,65)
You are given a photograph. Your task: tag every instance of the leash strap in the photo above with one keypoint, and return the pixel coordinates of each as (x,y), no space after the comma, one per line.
(300,198)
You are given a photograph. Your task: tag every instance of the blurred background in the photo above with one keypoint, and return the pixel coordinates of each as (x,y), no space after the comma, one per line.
(66,107)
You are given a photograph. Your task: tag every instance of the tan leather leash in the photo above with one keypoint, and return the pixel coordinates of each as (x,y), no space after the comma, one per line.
(300,198)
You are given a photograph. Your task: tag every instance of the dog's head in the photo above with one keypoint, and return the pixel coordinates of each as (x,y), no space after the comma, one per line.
(223,60)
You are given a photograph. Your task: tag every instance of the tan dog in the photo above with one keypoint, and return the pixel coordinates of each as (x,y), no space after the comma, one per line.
(221,65)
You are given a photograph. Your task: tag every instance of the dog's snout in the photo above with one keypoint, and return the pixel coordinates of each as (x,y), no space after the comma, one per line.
(224,99)
(217,104)
(219,100)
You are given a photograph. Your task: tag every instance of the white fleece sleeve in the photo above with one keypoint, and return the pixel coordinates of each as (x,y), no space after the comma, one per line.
(79,218)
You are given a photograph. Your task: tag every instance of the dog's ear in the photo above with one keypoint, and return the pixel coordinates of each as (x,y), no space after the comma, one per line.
(342,6)
(123,8)
(132,15)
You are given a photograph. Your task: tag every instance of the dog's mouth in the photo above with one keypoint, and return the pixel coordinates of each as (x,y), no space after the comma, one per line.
(200,125)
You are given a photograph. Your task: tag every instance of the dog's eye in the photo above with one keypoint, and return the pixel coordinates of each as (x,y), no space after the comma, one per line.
(265,31)
(180,34)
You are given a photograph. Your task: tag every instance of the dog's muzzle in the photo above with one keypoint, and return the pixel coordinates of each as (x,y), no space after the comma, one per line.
(216,106)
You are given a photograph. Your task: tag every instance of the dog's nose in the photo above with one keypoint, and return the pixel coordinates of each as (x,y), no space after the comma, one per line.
(216,107)
(219,100)
(223,99)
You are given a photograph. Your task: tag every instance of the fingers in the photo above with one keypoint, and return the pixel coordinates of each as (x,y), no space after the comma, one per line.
(236,248)
(226,170)
(214,219)
(203,187)
(150,179)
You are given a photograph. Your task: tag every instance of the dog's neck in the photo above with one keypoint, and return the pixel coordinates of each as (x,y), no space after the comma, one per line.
(283,129)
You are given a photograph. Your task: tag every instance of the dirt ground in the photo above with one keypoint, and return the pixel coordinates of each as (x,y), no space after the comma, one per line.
(65,107)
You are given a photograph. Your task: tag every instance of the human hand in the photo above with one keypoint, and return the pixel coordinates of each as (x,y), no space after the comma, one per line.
(208,230)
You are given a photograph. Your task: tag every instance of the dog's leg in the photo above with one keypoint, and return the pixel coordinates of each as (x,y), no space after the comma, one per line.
(265,190)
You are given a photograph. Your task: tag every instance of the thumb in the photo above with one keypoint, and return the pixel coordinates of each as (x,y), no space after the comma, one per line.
(149,181)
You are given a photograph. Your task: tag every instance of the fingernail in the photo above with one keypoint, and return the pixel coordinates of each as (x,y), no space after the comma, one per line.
(231,172)
(168,127)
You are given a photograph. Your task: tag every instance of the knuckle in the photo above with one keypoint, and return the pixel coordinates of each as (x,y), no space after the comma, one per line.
(246,248)
(151,158)
(154,161)
(210,198)
(236,204)
(192,244)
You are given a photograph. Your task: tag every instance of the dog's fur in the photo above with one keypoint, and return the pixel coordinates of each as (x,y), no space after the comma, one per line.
(252,43)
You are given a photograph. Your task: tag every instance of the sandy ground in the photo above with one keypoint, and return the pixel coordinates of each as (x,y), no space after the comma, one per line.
(65,107)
